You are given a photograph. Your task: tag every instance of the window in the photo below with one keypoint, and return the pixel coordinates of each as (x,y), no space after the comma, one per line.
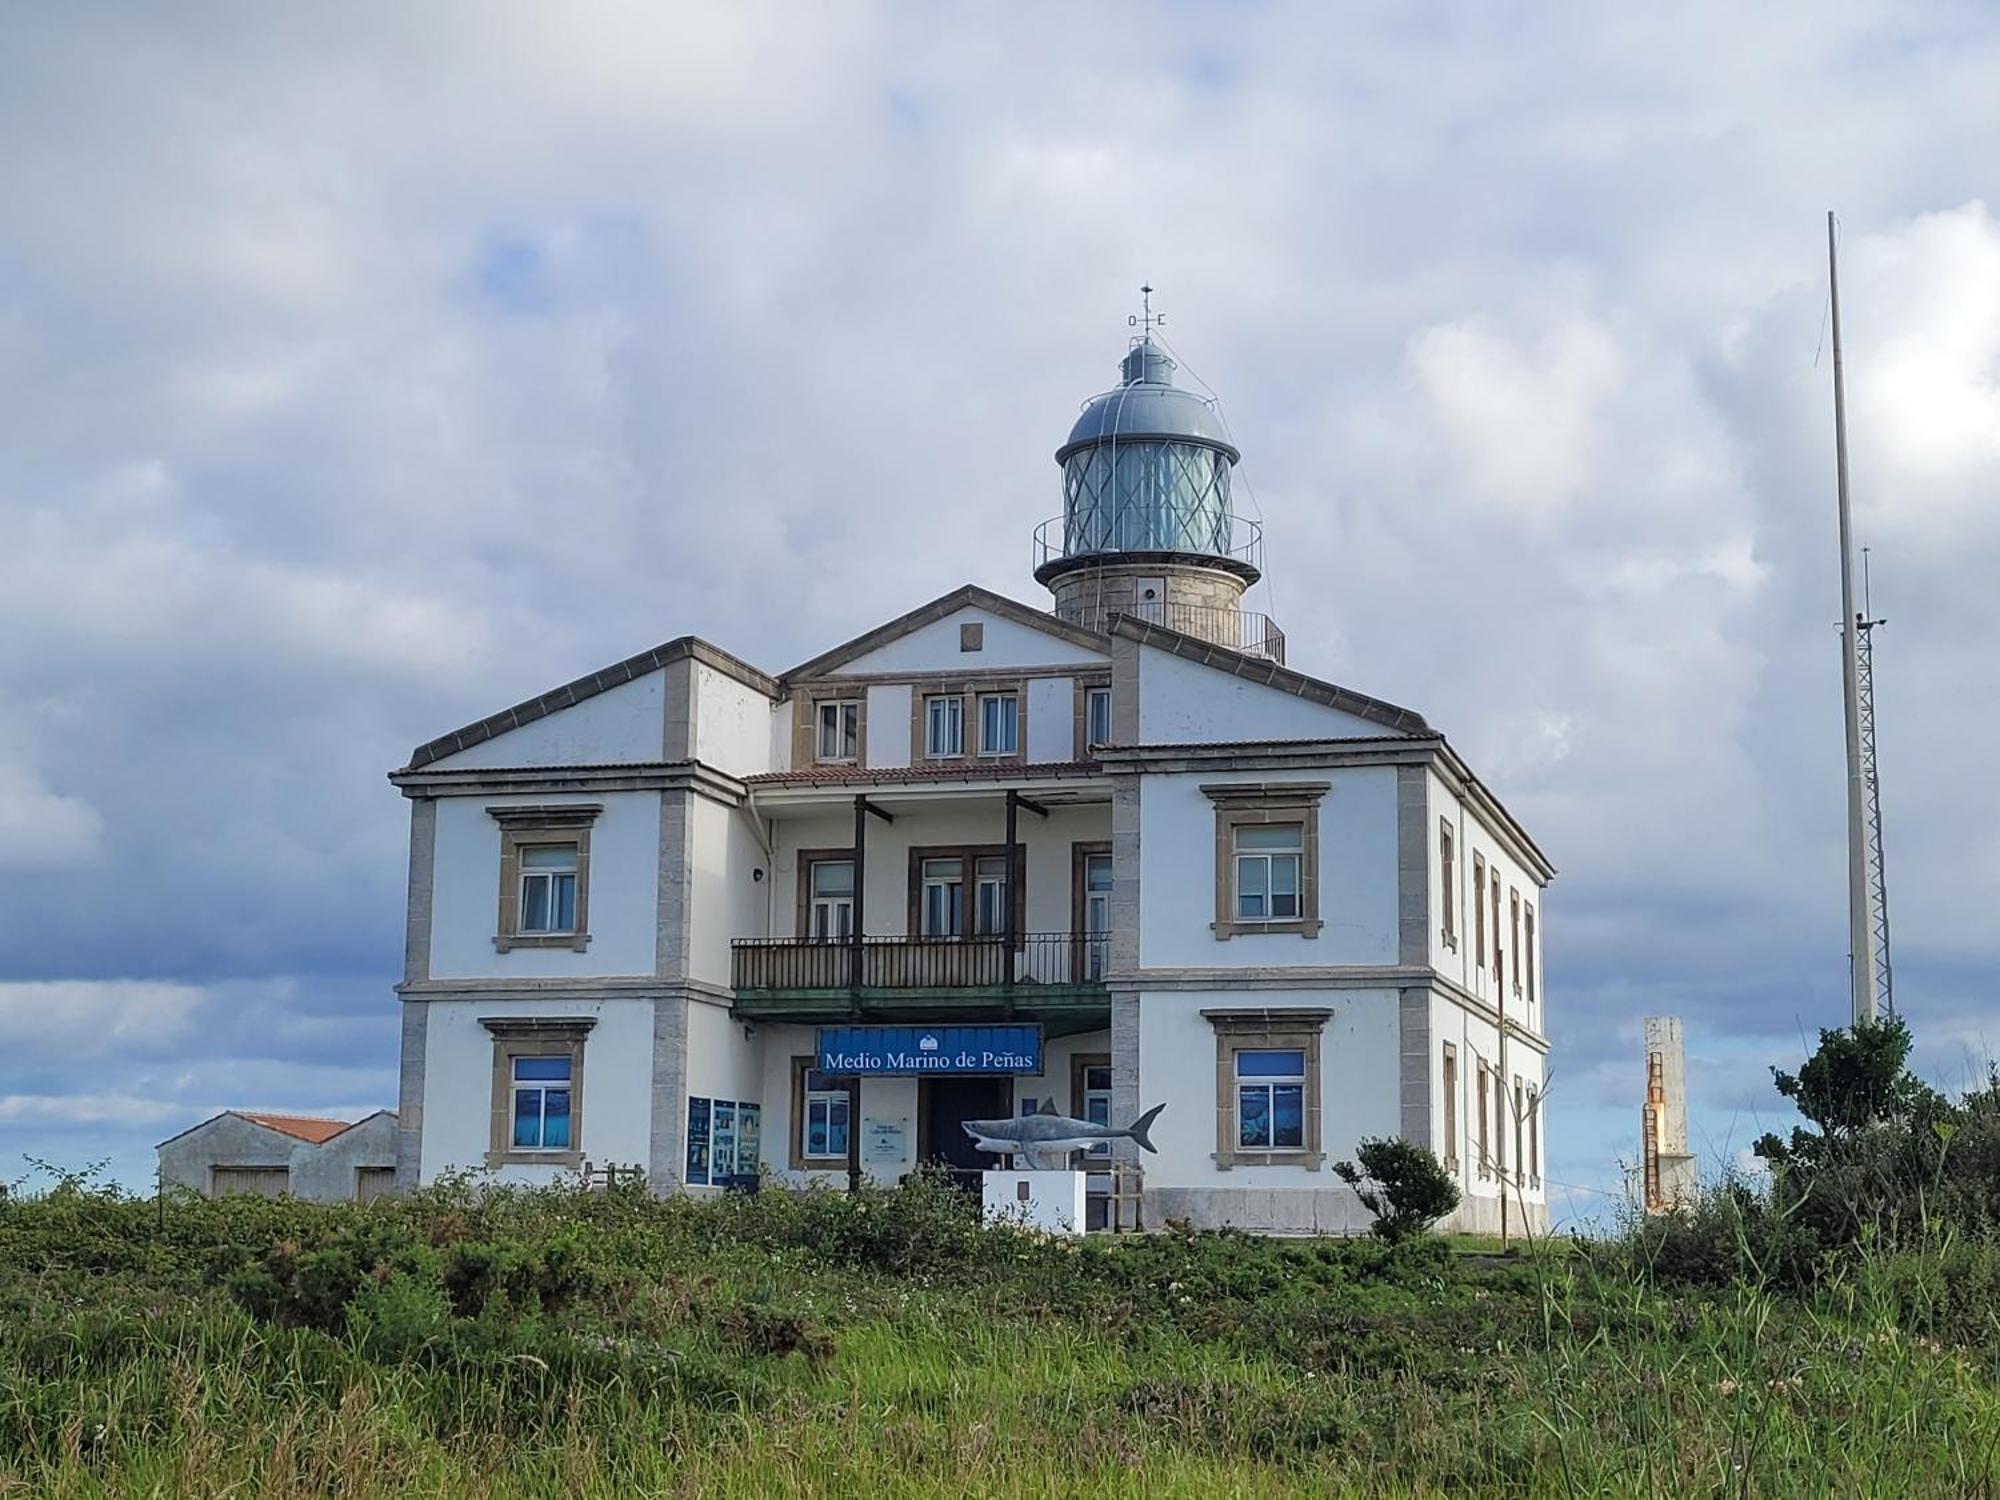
(1269,860)
(1498,968)
(1093,918)
(1097,716)
(1485,1151)
(1266,858)
(1270,1101)
(544,876)
(541,1116)
(944,727)
(1448,884)
(1095,1103)
(826,1101)
(537,1089)
(999,724)
(1520,1127)
(1479,907)
(830,900)
(548,888)
(1534,1137)
(1514,928)
(840,730)
(943,898)
(1267,1072)
(990,896)
(1451,1107)
(1528,949)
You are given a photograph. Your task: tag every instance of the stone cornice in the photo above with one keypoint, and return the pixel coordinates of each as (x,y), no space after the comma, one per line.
(639,776)
(601,988)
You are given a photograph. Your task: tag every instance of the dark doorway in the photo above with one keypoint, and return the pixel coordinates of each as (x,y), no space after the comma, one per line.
(944,1105)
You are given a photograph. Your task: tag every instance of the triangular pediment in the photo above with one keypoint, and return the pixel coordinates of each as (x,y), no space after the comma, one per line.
(934,637)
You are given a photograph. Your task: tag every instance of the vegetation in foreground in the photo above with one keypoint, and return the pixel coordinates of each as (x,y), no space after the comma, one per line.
(558,1342)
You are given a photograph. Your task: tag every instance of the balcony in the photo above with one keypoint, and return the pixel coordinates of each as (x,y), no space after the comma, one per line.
(918,963)
(1244,630)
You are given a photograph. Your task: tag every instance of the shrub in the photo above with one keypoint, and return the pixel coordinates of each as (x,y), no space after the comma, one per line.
(1402,1184)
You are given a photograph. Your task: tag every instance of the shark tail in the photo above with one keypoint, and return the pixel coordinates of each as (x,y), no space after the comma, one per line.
(1144,1123)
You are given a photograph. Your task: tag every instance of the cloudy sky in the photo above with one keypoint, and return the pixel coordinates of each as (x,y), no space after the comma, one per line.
(364,369)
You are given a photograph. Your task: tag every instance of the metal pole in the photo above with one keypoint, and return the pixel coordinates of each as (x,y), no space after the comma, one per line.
(1860,938)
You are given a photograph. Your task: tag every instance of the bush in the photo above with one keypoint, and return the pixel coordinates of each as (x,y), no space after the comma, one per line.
(1402,1184)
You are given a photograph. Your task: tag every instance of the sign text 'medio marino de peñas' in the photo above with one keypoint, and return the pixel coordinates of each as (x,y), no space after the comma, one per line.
(930,1049)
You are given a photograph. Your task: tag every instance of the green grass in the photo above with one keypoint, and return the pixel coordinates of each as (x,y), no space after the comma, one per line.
(565,1344)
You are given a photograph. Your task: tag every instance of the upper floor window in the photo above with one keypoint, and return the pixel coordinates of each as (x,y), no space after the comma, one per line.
(840,730)
(1267,857)
(990,896)
(548,889)
(830,899)
(1528,949)
(943,898)
(1479,908)
(944,726)
(544,875)
(1514,920)
(999,724)
(1499,968)
(1097,716)
(1270,859)
(1448,883)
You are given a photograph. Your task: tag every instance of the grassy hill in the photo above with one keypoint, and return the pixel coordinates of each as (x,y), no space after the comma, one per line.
(562,1343)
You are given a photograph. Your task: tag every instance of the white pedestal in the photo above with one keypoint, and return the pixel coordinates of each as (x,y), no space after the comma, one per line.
(1051,1202)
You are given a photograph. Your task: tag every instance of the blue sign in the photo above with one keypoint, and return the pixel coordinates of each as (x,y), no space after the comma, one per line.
(880,1050)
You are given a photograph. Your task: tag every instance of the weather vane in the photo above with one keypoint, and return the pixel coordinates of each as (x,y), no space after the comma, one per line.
(1151,320)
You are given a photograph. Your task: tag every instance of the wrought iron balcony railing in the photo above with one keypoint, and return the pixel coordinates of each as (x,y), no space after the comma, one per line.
(919,963)
(1244,630)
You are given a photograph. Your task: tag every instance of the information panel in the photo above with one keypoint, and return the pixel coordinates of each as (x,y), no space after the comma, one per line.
(875,1051)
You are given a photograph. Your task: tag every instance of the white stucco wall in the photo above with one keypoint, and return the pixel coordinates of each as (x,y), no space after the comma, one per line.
(1357,873)
(732,723)
(889,726)
(621,724)
(1051,718)
(1183,702)
(616,1106)
(1478,1039)
(934,648)
(727,901)
(1460,961)
(1359,1093)
(624,886)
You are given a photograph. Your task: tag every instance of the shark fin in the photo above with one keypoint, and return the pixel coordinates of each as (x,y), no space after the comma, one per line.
(1048,1106)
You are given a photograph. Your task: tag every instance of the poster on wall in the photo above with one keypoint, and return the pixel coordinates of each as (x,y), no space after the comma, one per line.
(722,1142)
(882,1140)
(749,1137)
(697,1164)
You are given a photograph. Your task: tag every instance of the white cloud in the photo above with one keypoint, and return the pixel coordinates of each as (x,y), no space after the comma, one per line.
(92,1017)
(42,829)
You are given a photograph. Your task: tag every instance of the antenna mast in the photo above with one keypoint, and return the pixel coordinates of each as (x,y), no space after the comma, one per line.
(1860,931)
(1878,871)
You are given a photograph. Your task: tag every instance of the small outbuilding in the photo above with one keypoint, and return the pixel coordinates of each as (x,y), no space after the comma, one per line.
(268,1155)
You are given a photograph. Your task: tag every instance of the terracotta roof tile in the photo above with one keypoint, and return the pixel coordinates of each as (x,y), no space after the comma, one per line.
(312,1128)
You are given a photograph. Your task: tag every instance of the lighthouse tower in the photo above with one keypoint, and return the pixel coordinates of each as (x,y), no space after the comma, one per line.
(1146,528)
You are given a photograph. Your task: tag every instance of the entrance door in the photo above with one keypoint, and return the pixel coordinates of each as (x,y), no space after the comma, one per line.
(945,1104)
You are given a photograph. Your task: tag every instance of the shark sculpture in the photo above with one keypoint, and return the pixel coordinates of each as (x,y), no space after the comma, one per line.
(1046,1135)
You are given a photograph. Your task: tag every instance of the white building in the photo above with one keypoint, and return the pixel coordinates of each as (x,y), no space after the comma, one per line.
(685,914)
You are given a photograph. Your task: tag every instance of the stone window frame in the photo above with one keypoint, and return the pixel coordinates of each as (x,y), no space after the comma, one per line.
(1448,882)
(795,1140)
(534,1036)
(805,859)
(1479,908)
(1248,804)
(971,855)
(968,691)
(564,823)
(1528,947)
(1514,949)
(820,701)
(1448,1068)
(1086,683)
(1267,1030)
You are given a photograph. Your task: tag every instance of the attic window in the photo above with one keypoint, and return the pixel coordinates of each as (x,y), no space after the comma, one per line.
(972,637)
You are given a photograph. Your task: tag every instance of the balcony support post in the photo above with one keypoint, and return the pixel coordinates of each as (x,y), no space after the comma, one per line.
(1013,895)
(860,899)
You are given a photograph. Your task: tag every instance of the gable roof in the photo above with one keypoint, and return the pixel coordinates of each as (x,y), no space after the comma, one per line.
(589,686)
(314,1128)
(1268,673)
(966,596)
